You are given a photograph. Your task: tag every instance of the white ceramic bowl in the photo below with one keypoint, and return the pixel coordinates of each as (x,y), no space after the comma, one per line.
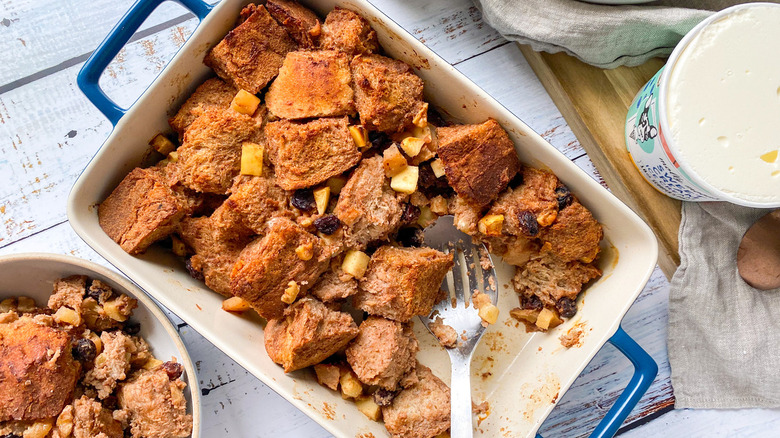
(521,375)
(33,275)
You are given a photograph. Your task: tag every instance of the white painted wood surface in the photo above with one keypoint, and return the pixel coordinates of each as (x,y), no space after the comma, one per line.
(49,131)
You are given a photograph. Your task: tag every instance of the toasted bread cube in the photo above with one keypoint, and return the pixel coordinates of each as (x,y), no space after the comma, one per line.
(368,207)
(491,225)
(37,373)
(214,93)
(328,375)
(149,396)
(412,145)
(369,408)
(479,160)
(210,154)
(309,153)
(235,304)
(245,102)
(141,210)
(421,410)
(394,161)
(162,144)
(332,287)
(322,198)
(355,263)
(252,53)
(359,134)
(252,159)
(350,385)
(336,183)
(267,265)
(387,94)
(438,168)
(312,84)
(551,279)
(535,200)
(575,234)
(406,180)
(548,319)
(178,247)
(348,32)
(309,333)
(300,22)
(402,282)
(383,352)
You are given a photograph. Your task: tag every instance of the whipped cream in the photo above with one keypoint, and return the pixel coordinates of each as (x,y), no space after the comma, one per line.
(723,104)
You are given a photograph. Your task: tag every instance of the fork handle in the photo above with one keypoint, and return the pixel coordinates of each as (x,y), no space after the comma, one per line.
(461,425)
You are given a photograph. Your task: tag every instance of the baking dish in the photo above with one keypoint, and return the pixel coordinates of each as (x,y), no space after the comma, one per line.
(33,274)
(521,375)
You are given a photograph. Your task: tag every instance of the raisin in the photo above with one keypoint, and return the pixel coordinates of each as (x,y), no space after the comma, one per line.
(327,224)
(173,369)
(429,185)
(84,350)
(410,214)
(383,397)
(410,237)
(564,197)
(132,328)
(379,140)
(531,303)
(194,273)
(566,307)
(517,181)
(100,292)
(303,200)
(528,223)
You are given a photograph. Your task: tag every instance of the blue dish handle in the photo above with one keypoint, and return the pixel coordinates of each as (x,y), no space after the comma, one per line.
(645,370)
(90,73)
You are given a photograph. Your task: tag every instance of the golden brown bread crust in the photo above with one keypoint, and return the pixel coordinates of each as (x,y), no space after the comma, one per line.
(309,333)
(575,234)
(479,160)
(551,279)
(253,201)
(266,266)
(388,95)
(156,405)
(330,287)
(68,292)
(306,154)
(215,251)
(348,32)
(401,283)
(250,55)
(421,410)
(369,209)
(312,84)
(91,419)
(300,22)
(536,195)
(37,371)
(141,210)
(213,93)
(210,154)
(383,352)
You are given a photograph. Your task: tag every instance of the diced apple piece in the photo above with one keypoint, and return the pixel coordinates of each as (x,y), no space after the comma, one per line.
(548,319)
(245,102)
(321,198)
(491,224)
(291,293)
(359,135)
(7,305)
(421,118)
(336,183)
(355,263)
(369,408)
(39,429)
(350,385)
(152,364)
(529,315)
(393,161)
(489,313)
(66,315)
(426,217)
(26,305)
(173,157)
(438,167)
(439,205)
(111,308)
(406,180)
(412,145)
(235,304)
(425,154)
(328,375)
(162,144)
(252,159)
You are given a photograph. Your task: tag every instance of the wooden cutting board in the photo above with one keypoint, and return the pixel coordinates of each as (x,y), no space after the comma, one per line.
(594,103)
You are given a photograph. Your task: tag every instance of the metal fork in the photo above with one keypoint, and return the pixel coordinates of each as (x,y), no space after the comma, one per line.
(466,276)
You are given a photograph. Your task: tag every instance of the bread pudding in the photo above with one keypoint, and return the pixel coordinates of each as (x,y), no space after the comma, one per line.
(297,182)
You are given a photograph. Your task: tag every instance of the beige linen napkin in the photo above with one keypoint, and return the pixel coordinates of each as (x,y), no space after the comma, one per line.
(601,35)
(724,336)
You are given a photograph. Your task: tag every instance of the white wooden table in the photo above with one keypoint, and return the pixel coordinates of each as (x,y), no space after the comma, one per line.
(49,131)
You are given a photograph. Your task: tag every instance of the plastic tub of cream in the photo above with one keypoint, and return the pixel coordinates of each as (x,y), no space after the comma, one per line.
(705,127)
